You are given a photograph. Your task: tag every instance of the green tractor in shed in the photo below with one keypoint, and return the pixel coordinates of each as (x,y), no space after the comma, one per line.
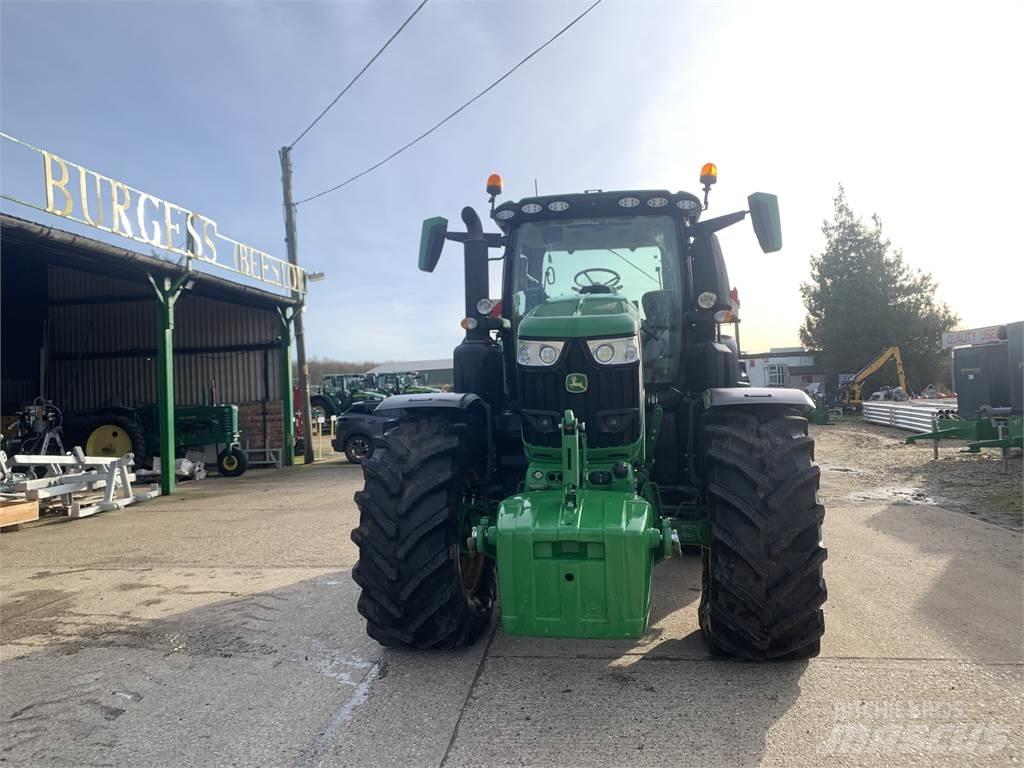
(599,417)
(117,430)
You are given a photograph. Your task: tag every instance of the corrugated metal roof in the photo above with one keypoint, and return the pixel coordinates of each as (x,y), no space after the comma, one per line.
(445,364)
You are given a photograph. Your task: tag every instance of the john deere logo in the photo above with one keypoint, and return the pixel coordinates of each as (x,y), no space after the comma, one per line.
(576,383)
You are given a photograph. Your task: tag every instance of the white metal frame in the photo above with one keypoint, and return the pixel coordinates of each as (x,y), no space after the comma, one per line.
(77,473)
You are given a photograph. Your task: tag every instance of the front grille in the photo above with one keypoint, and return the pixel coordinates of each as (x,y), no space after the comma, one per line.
(610,407)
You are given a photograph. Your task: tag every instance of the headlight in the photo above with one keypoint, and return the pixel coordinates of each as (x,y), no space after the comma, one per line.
(615,351)
(707,299)
(539,353)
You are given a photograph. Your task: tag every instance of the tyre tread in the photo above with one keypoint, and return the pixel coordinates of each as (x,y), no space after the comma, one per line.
(763,588)
(408,566)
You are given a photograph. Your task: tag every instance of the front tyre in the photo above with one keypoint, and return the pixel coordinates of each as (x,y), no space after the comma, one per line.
(232,464)
(420,589)
(763,586)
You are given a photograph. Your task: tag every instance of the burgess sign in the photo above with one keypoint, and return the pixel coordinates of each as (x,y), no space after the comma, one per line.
(74,192)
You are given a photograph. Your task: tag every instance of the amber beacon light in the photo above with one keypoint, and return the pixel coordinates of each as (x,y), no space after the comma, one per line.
(708,174)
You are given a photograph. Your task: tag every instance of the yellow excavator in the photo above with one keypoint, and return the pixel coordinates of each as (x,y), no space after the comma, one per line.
(850,393)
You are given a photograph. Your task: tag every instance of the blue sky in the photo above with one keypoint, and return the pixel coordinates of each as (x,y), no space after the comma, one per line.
(910,106)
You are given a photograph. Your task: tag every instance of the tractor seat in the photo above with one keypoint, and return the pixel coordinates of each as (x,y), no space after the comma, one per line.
(657,324)
(657,311)
(596,289)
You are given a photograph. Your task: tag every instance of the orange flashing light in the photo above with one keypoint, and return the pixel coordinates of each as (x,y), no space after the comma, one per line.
(494,184)
(708,174)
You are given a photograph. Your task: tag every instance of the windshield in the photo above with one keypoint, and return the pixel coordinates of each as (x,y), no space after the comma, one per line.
(635,257)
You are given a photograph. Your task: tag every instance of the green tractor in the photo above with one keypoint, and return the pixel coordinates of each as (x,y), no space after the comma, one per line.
(115,431)
(337,393)
(403,383)
(597,419)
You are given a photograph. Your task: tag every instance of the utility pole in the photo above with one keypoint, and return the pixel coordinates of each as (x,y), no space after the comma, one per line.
(300,342)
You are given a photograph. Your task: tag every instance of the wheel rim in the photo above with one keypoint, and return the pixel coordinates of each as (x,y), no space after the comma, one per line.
(359,447)
(230,462)
(108,440)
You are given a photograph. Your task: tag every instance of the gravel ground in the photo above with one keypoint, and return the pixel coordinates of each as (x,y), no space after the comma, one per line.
(883,468)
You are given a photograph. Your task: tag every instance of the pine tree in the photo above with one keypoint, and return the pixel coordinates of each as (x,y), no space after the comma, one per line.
(863,297)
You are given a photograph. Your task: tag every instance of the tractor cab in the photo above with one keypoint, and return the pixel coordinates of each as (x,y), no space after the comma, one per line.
(620,272)
(403,383)
(337,393)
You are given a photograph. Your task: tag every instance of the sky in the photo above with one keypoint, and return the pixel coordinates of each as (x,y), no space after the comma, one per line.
(912,107)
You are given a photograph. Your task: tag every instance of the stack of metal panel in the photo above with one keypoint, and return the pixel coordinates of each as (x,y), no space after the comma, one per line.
(915,416)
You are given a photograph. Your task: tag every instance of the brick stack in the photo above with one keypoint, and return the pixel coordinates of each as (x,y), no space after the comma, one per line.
(250,423)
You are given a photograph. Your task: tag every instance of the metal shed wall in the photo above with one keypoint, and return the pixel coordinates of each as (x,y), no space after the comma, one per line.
(101,332)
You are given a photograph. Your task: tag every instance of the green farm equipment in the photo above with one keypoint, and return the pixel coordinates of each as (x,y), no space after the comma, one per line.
(988,430)
(597,420)
(337,393)
(402,383)
(116,431)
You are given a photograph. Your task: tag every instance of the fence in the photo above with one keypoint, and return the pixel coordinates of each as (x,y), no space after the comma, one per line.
(915,418)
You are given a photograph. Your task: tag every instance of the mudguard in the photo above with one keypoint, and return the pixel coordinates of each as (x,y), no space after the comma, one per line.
(398,406)
(725,397)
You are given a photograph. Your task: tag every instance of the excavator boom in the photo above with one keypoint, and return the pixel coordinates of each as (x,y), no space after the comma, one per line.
(851,393)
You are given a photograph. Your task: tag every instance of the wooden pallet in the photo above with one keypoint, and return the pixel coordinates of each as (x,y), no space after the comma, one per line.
(14,513)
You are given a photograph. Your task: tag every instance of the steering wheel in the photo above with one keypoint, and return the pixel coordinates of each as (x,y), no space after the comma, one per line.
(608,278)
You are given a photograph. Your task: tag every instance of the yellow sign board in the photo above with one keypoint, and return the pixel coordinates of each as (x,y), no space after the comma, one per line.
(77,193)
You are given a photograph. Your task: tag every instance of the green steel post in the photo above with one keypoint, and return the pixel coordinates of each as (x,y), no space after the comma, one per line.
(167,293)
(287,397)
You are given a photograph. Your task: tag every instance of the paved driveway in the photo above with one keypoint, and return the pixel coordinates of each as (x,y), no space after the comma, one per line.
(218,627)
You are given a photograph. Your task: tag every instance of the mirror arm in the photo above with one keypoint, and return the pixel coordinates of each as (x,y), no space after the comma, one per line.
(708,226)
(491,239)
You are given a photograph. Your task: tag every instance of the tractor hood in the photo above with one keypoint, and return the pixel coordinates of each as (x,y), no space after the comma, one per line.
(600,315)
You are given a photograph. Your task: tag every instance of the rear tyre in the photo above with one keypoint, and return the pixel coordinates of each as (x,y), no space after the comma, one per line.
(114,436)
(763,586)
(358,448)
(418,589)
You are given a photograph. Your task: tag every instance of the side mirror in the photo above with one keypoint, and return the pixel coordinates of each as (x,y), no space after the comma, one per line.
(432,242)
(764,215)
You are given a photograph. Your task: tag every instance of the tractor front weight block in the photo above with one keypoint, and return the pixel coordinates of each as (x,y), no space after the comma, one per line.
(583,572)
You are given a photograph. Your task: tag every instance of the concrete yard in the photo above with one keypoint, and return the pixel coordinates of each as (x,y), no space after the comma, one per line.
(218,628)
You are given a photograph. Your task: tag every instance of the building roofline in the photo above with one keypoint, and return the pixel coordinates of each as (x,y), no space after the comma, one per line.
(24,232)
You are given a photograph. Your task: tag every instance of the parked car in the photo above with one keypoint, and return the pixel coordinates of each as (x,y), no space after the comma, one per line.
(355,429)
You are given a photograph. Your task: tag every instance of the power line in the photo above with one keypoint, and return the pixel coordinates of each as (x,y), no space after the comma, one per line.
(482,93)
(359,74)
